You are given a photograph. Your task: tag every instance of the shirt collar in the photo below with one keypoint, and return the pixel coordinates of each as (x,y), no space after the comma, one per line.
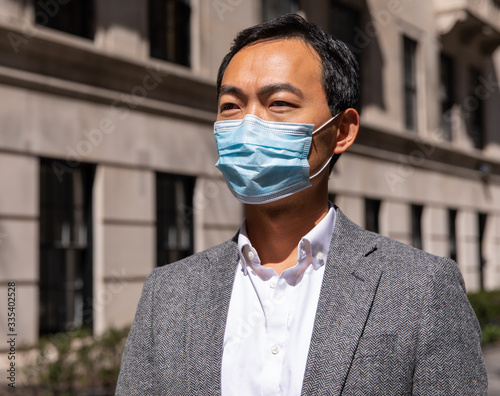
(312,249)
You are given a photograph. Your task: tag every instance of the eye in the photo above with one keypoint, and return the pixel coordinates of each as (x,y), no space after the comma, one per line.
(281,103)
(228,106)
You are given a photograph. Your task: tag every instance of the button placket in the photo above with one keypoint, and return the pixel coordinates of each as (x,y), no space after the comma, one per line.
(273,282)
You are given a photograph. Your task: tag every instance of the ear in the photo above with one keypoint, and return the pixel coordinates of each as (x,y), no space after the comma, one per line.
(347,130)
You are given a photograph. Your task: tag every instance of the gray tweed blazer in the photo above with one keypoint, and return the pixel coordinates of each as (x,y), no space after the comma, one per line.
(391,320)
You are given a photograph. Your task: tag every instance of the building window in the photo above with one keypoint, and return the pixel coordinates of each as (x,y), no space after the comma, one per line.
(476,108)
(416,225)
(447,94)
(71,16)
(482,217)
(343,25)
(174,217)
(452,233)
(65,248)
(274,8)
(170,30)
(372,211)
(410,83)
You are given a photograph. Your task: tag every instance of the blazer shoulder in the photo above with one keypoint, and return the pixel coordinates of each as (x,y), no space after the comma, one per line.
(402,260)
(395,256)
(403,253)
(198,262)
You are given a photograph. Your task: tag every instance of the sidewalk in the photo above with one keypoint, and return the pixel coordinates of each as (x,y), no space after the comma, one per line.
(491,355)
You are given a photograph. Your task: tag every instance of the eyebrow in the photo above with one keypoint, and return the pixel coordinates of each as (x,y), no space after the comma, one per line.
(231,90)
(279,87)
(264,91)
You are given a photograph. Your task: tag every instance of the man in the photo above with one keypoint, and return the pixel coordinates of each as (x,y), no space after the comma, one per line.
(301,301)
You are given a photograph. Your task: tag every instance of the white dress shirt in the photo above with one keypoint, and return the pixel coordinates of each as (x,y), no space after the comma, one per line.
(271,317)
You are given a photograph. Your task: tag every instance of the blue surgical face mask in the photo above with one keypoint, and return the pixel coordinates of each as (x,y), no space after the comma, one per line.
(263,161)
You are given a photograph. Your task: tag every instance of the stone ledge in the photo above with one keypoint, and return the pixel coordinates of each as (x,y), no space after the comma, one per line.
(373,141)
(49,53)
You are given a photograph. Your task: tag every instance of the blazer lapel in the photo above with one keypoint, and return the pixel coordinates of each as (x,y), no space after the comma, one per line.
(209,303)
(349,285)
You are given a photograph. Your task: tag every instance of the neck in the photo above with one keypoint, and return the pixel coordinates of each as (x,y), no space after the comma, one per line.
(276,229)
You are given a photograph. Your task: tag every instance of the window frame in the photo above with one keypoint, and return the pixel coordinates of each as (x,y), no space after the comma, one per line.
(447,93)
(452,233)
(410,83)
(476,120)
(482,219)
(281,7)
(170,37)
(64,17)
(353,17)
(65,263)
(173,219)
(372,214)
(416,226)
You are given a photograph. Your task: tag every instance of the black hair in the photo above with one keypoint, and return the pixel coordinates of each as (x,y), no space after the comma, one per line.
(340,69)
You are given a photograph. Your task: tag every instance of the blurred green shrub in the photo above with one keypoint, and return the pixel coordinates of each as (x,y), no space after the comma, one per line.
(71,363)
(486,305)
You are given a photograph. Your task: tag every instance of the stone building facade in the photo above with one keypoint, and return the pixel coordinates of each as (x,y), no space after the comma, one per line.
(107,152)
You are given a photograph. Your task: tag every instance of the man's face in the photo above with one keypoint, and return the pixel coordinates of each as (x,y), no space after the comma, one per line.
(281,81)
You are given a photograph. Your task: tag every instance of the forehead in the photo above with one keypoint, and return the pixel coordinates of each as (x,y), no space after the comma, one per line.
(267,62)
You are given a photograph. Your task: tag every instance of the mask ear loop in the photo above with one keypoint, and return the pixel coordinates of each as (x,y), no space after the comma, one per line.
(326,123)
(323,168)
(329,159)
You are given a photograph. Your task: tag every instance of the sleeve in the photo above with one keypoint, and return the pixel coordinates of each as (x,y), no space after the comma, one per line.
(449,358)
(136,373)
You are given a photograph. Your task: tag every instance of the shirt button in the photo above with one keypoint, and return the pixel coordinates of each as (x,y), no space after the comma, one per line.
(275,349)
(251,255)
(273,283)
(320,256)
